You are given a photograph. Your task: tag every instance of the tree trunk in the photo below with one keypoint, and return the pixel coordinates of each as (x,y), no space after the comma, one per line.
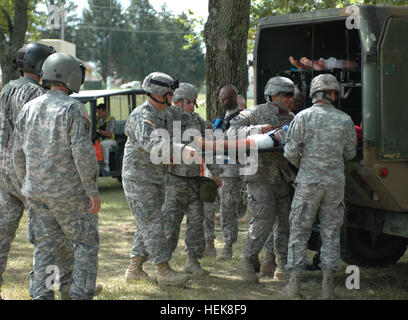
(226,34)
(16,33)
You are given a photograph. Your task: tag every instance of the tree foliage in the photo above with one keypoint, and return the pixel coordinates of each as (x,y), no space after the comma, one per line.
(71,20)
(15,18)
(143,41)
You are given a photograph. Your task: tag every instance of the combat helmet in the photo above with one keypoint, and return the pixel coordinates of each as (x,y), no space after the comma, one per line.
(278,85)
(63,68)
(321,85)
(160,84)
(31,57)
(185,91)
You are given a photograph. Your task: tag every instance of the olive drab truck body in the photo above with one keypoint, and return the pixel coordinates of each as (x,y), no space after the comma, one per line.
(375,94)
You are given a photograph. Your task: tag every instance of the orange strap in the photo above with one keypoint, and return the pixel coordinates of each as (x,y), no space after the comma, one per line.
(98,151)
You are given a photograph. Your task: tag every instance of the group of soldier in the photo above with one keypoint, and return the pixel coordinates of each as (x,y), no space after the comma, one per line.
(48,166)
(45,139)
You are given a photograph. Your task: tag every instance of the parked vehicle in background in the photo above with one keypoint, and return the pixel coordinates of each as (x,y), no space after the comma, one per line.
(375,229)
(119,103)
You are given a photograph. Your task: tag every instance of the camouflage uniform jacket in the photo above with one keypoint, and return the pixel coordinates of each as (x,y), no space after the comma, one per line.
(249,122)
(142,122)
(194,170)
(53,152)
(230,170)
(319,139)
(13,96)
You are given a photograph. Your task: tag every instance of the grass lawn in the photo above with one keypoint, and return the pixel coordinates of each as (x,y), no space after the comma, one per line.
(117,227)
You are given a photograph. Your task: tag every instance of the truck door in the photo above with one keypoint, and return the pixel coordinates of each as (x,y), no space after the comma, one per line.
(393,53)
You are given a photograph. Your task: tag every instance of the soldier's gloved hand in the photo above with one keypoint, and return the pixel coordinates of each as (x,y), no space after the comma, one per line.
(279,135)
(94,204)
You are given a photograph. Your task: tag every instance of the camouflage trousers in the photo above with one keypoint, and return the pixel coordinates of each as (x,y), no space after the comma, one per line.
(183,198)
(266,203)
(326,202)
(146,203)
(277,241)
(11,210)
(229,208)
(209,217)
(53,223)
(243,205)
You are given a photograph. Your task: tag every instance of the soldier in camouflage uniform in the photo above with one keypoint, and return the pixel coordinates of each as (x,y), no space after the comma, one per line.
(143,180)
(55,163)
(276,246)
(14,95)
(319,139)
(266,188)
(230,192)
(183,191)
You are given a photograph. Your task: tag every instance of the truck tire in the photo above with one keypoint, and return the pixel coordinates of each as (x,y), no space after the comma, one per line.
(358,247)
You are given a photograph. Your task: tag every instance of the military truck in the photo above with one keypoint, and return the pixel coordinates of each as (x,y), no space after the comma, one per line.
(375,230)
(119,104)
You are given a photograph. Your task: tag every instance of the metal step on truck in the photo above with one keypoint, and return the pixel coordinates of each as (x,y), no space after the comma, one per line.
(374,94)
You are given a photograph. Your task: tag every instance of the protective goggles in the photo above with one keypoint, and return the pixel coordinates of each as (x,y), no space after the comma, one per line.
(173,85)
(83,69)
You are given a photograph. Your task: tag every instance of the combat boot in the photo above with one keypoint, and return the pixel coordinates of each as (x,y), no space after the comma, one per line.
(246,270)
(210,250)
(65,292)
(292,288)
(98,290)
(268,265)
(135,271)
(168,277)
(226,252)
(255,262)
(194,267)
(327,285)
(65,295)
(280,275)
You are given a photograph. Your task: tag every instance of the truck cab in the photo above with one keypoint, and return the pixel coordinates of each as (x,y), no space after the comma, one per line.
(375,230)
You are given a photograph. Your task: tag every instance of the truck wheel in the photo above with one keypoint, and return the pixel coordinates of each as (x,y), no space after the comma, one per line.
(359,247)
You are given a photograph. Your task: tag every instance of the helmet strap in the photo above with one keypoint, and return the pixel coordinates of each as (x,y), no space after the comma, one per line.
(159,102)
(323,96)
(281,105)
(166,101)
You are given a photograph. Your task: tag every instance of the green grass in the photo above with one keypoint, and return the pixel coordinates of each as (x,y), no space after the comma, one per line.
(117,228)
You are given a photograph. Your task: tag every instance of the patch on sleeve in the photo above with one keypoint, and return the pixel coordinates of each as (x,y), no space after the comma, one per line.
(245,113)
